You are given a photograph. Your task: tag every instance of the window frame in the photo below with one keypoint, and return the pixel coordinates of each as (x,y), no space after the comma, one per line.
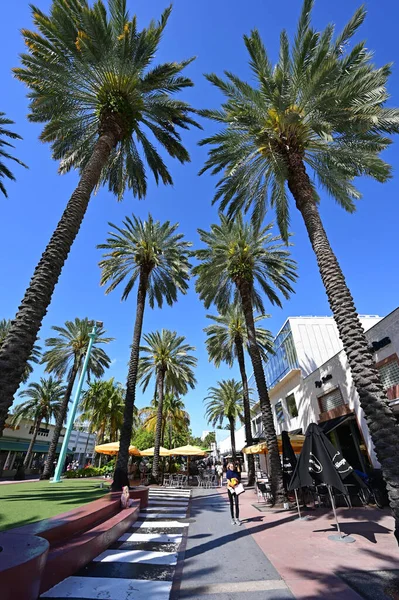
(291,395)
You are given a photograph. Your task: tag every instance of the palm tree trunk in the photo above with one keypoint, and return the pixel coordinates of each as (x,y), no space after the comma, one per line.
(127,426)
(247,409)
(382,424)
(276,474)
(158,430)
(233,438)
(59,423)
(19,342)
(32,442)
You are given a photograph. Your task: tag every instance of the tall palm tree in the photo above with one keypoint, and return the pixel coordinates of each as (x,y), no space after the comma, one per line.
(167,359)
(102,407)
(225,402)
(241,262)
(319,115)
(226,339)
(35,356)
(65,359)
(156,257)
(107,111)
(4,154)
(175,419)
(43,403)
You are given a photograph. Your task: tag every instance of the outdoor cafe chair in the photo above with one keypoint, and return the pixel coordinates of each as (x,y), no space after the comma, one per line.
(166,480)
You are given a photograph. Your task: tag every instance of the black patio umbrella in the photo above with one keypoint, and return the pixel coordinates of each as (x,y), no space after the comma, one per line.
(289,459)
(289,464)
(321,463)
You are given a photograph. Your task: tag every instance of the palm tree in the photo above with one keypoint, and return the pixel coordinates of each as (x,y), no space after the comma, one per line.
(102,407)
(319,115)
(156,257)
(225,402)
(65,359)
(44,403)
(35,356)
(175,419)
(227,338)
(92,81)
(241,261)
(6,133)
(166,359)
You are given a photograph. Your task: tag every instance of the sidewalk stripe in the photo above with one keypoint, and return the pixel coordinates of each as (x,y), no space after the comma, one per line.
(162,509)
(158,524)
(151,537)
(138,557)
(233,587)
(148,546)
(122,589)
(119,570)
(165,515)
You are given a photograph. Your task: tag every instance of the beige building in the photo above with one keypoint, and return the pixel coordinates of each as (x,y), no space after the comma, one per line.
(15,441)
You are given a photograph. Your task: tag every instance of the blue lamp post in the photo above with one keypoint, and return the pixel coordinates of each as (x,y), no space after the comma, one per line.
(64,449)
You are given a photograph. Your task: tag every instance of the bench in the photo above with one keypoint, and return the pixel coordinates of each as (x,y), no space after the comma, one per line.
(74,539)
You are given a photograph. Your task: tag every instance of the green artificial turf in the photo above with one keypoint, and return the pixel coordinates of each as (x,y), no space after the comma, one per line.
(23,503)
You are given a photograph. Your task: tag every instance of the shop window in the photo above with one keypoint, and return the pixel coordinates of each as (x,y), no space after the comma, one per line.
(43,432)
(279,412)
(389,374)
(331,400)
(291,406)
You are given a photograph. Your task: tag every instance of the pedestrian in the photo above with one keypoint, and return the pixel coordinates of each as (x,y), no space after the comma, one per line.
(232,482)
(219,473)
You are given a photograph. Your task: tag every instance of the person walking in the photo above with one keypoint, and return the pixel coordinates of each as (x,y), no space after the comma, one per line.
(219,473)
(232,482)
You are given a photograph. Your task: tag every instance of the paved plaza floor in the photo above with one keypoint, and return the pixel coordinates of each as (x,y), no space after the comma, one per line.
(184,546)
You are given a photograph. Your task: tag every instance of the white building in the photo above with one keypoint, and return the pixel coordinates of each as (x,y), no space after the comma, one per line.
(204,434)
(309,381)
(82,445)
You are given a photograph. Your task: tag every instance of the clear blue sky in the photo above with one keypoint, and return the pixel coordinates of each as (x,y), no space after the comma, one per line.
(365,243)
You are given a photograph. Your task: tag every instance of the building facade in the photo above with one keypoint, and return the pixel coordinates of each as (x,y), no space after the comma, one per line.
(15,441)
(310,382)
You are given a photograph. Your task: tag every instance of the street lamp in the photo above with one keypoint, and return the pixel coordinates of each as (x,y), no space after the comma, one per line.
(64,449)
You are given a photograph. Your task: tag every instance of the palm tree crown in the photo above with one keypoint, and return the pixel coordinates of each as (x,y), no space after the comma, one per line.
(166,351)
(35,356)
(175,419)
(322,104)
(89,71)
(43,403)
(4,154)
(148,246)
(102,407)
(224,402)
(240,253)
(68,349)
(227,329)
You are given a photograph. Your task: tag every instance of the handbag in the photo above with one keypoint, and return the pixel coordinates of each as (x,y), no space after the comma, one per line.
(239,489)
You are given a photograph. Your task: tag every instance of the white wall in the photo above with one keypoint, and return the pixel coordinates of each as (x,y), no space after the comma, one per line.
(224,446)
(316,339)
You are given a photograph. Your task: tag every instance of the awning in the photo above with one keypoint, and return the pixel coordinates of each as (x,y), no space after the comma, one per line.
(327,426)
(261,448)
(11,445)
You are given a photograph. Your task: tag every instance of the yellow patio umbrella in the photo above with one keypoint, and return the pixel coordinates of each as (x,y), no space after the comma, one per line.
(261,448)
(113,448)
(150,452)
(187,451)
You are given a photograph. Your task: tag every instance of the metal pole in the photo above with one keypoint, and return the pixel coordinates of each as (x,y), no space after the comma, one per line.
(347,539)
(64,449)
(333,507)
(297,504)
